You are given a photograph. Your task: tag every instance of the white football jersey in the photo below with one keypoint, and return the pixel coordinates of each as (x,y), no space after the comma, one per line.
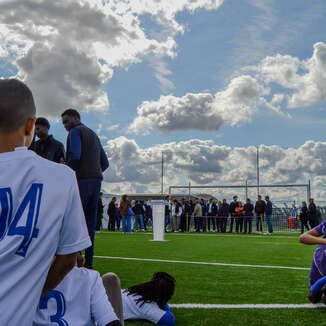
(40,215)
(80,299)
(133,310)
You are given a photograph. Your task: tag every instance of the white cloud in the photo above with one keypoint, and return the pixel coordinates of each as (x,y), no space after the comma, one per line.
(66,50)
(204,163)
(234,105)
(304,82)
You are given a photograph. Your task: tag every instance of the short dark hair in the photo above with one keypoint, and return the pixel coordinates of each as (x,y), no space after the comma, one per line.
(71,113)
(43,122)
(16,104)
(267,197)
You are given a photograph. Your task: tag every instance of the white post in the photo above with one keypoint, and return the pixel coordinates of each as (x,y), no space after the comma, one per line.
(158,207)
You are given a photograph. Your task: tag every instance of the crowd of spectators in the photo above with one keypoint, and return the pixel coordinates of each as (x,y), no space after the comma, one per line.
(203,216)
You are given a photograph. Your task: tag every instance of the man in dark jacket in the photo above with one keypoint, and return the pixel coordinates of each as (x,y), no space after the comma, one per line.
(202,220)
(112,212)
(85,155)
(224,211)
(248,214)
(148,218)
(260,210)
(100,207)
(211,213)
(233,205)
(312,213)
(184,216)
(268,215)
(138,209)
(47,146)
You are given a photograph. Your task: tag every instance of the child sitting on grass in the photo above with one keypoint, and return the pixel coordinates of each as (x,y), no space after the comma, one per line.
(317,278)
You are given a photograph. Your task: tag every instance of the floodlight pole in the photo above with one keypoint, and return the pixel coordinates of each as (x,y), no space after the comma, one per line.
(162,176)
(257,171)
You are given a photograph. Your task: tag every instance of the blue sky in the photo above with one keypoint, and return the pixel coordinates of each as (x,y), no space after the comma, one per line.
(226,73)
(215,46)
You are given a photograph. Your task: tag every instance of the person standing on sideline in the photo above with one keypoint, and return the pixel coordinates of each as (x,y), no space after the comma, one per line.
(139,215)
(148,219)
(259,210)
(312,213)
(167,212)
(124,211)
(223,212)
(211,213)
(117,216)
(42,224)
(304,217)
(203,218)
(269,214)
(248,214)
(47,146)
(233,205)
(112,212)
(85,155)
(197,214)
(239,220)
(176,213)
(100,207)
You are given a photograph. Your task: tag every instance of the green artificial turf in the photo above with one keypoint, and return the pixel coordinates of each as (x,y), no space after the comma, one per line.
(205,284)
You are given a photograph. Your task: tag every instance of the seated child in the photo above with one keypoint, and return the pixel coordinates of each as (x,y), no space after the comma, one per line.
(317,279)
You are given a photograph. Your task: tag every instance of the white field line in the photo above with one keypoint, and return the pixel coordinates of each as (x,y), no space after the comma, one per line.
(203,263)
(246,306)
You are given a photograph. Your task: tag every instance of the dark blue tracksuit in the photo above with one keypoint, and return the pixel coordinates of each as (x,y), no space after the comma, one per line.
(86,156)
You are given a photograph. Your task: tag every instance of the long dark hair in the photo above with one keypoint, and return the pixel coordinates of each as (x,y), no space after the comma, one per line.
(160,289)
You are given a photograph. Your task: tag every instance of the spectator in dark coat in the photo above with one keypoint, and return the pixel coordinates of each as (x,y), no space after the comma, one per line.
(211,213)
(139,215)
(47,146)
(148,218)
(312,214)
(260,210)
(224,211)
(100,207)
(191,207)
(112,213)
(202,220)
(248,214)
(268,215)
(304,217)
(233,206)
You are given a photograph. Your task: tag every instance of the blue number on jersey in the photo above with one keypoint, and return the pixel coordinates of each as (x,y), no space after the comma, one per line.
(61,307)
(6,210)
(31,205)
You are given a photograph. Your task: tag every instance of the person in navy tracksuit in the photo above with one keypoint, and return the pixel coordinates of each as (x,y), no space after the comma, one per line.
(86,156)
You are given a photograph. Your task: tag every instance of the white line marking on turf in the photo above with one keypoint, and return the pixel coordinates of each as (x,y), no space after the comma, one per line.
(246,306)
(203,263)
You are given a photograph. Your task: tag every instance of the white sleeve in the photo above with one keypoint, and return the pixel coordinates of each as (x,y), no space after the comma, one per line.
(101,308)
(73,235)
(151,311)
